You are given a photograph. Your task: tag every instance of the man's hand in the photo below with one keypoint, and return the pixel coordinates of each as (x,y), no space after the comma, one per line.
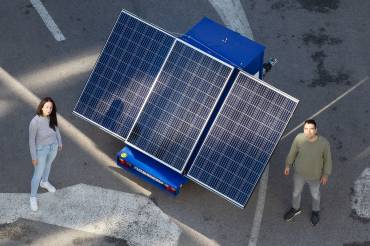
(286,171)
(34,163)
(324,180)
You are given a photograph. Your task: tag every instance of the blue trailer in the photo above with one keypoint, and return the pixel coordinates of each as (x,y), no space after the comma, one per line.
(187,108)
(229,46)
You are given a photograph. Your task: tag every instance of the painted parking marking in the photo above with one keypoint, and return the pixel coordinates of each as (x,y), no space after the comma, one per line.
(329,105)
(234,17)
(48,20)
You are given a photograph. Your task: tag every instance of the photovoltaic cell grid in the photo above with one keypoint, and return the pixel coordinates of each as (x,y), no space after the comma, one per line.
(242,139)
(179,106)
(123,75)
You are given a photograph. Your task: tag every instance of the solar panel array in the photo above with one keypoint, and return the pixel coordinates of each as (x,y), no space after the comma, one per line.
(123,75)
(157,93)
(179,106)
(242,139)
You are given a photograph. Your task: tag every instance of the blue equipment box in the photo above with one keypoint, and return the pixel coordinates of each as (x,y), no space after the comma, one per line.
(226,45)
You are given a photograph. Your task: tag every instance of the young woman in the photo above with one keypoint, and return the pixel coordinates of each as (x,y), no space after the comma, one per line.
(44,141)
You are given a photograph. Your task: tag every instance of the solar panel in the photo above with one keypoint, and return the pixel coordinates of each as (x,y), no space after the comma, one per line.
(123,75)
(242,139)
(179,105)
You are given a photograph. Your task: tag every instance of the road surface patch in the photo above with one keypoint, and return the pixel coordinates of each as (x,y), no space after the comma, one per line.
(132,217)
(361,196)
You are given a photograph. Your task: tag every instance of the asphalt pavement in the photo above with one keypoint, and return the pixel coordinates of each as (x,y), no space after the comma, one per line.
(322,48)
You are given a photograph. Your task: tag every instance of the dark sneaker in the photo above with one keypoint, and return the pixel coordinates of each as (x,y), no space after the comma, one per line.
(315,217)
(292,213)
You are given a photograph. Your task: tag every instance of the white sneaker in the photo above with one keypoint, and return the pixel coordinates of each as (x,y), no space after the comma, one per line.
(33,203)
(48,186)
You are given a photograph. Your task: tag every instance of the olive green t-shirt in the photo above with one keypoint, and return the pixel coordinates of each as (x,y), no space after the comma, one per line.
(312,160)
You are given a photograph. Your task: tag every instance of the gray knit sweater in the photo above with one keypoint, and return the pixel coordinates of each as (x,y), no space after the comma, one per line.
(40,133)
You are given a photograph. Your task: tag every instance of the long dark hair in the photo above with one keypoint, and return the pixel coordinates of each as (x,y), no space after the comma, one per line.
(53,115)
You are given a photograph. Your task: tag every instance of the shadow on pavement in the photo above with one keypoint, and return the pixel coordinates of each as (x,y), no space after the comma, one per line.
(28,232)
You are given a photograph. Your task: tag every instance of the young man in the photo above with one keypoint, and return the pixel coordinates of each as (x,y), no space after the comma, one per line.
(311,156)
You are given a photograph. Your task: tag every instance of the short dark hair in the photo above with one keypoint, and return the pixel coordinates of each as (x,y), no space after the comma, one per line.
(310,121)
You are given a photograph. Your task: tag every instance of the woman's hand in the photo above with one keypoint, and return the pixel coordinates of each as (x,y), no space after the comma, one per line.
(34,163)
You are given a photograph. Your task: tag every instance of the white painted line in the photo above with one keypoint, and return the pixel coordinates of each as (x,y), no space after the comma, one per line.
(361,195)
(194,237)
(364,154)
(253,238)
(132,217)
(328,106)
(264,180)
(233,16)
(49,22)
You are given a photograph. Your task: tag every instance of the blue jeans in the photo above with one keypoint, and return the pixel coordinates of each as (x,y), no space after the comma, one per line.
(45,155)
